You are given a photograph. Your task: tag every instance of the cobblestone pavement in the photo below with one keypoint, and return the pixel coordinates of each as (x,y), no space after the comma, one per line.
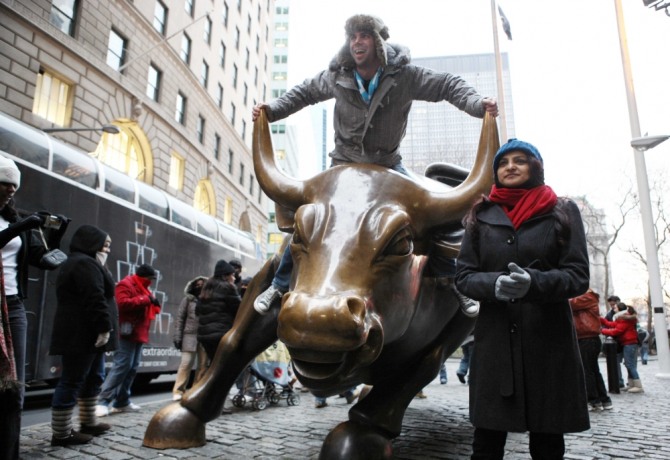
(434,428)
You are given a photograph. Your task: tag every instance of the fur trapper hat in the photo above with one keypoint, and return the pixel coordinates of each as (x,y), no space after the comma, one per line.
(373,25)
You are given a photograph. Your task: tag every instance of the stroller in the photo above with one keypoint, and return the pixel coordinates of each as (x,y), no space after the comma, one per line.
(267,380)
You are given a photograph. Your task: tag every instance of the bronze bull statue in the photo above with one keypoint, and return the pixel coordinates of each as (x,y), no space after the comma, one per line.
(361,309)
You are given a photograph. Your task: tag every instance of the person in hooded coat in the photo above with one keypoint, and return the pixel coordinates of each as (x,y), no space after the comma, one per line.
(522,257)
(186,338)
(85,327)
(373,84)
(624,329)
(217,307)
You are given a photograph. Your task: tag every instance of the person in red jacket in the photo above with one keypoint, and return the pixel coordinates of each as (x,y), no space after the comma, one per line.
(137,308)
(624,329)
(586,316)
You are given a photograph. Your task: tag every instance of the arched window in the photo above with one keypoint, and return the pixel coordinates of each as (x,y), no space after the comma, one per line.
(129,151)
(205,200)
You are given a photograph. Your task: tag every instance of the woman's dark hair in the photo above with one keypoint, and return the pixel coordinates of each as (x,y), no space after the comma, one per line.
(562,219)
(620,306)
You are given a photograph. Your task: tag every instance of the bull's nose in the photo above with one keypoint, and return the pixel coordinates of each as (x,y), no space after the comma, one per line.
(333,323)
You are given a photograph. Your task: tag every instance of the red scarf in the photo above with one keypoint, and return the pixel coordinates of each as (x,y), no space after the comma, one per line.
(521,204)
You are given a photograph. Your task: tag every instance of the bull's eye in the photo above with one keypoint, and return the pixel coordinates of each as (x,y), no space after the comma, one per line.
(401,245)
(296,238)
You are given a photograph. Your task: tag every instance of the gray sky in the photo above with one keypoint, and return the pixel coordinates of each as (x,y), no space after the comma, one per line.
(567,82)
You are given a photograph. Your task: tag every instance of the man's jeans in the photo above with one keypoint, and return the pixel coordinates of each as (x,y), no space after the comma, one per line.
(120,378)
(18,324)
(82,377)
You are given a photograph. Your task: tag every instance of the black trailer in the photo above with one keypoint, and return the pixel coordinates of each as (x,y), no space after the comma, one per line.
(146,226)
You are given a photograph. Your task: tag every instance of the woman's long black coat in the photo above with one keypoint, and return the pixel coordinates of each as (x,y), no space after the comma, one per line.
(526,371)
(216,309)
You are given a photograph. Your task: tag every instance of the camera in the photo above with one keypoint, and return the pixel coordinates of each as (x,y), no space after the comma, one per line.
(52,222)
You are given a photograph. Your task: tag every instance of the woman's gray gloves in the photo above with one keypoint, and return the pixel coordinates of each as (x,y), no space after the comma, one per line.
(512,286)
(102,339)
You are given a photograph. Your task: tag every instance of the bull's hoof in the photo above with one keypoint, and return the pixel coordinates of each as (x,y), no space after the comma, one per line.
(174,427)
(354,441)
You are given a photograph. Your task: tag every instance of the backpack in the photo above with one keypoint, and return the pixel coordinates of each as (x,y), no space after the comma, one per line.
(641,336)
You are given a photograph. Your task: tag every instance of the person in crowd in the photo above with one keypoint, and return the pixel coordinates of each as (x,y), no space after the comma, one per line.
(643,341)
(85,327)
(21,245)
(350,395)
(586,316)
(464,365)
(137,308)
(186,338)
(217,307)
(237,265)
(624,330)
(443,374)
(243,285)
(612,301)
(373,84)
(522,257)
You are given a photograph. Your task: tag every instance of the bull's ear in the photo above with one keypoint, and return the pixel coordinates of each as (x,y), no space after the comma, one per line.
(285,218)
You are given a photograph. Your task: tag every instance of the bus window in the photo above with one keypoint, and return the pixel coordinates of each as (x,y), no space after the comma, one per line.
(182,214)
(206,225)
(152,200)
(119,185)
(227,235)
(247,243)
(72,164)
(23,141)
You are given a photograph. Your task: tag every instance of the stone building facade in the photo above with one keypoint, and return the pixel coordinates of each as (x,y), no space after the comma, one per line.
(178,77)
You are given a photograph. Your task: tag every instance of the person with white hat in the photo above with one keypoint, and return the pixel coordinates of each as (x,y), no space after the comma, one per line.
(20,248)
(373,84)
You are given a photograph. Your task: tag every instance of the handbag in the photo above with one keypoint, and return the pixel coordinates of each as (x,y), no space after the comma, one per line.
(53,258)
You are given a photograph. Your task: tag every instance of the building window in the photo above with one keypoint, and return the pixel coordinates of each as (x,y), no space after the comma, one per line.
(185,48)
(189,7)
(204,197)
(237,38)
(233,109)
(207,36)
(244,129)
(64,15)
(278,128)
(228,211)
(160,17)
(265,91)
(249,24)
(200,129)
(123,151)
(251,184)
(217,146)
(258,43)
(177,164)
(278,92)
(281,42)
(224,14)
(280,59)
(180,110)
(280,154)
(239,6)
(219,97)
(53,98)
(281,26)
(246,60)
(116,50)
(234,75)
(222,54)
(259,12)
(246,93)
(231,158)
(279,76)
(204,74)
(153,82)
(255,76)
(242,174)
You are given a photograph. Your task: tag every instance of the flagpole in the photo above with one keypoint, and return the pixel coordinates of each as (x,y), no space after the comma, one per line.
(499,74)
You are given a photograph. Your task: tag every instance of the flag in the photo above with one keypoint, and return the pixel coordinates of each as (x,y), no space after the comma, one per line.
(505,23)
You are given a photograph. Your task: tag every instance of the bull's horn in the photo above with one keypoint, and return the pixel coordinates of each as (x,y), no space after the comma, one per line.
(451,206)
(281,188)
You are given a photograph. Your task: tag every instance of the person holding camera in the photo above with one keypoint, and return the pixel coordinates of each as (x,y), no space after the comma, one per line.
(22,245)
(137,308)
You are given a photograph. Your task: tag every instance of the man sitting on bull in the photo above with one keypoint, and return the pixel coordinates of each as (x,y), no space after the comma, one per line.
(373,84)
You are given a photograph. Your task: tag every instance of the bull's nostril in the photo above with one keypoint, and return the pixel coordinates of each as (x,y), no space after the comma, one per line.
(356,307)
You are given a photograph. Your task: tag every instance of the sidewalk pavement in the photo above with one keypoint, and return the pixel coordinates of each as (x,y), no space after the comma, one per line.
(434,428)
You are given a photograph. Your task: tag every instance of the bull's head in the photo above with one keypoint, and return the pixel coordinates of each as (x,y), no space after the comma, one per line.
(354,234)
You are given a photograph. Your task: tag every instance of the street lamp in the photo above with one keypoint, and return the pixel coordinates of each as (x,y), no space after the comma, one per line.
(641,145)
(111,129)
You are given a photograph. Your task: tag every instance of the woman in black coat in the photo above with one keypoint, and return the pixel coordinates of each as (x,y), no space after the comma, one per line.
(522,257)
(85,326)
(217,307)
